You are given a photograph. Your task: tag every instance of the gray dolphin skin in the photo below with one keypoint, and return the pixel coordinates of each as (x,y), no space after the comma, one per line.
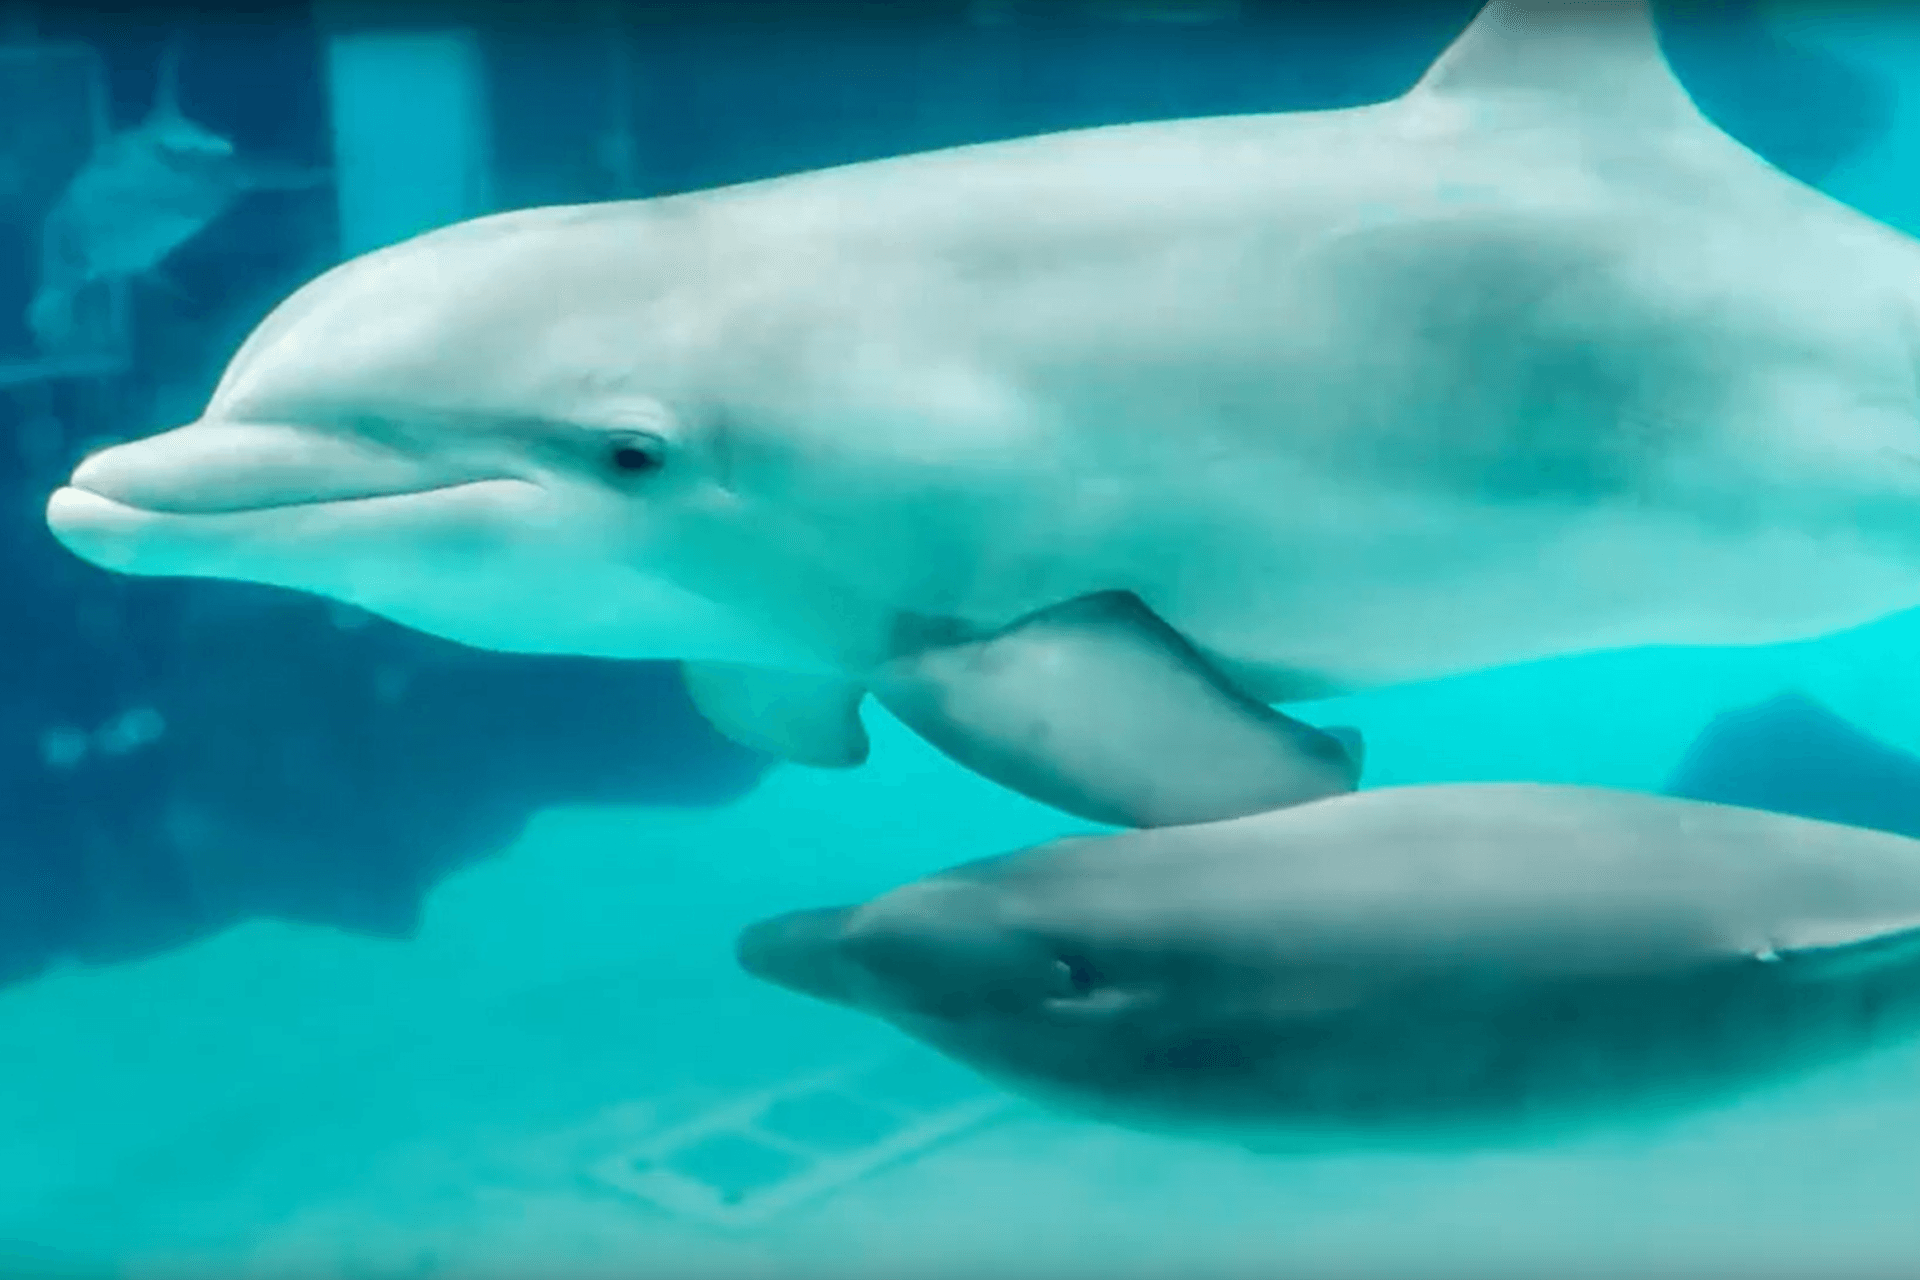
(1100,709)
(1196,415)
(1467,964)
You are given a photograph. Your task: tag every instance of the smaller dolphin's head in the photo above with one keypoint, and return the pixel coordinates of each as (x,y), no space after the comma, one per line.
(476,433)
(1078,999)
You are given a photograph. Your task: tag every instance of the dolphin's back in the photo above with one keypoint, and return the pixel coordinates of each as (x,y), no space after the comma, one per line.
(1552,877)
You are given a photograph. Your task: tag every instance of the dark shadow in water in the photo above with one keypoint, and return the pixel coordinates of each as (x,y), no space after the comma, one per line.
(1791,755)
(245,757)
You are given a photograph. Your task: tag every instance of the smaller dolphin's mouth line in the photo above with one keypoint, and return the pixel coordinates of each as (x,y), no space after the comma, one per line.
(328,500)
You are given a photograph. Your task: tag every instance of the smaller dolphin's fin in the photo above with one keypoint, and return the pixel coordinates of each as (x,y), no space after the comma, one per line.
(810,720)
(1099,708)
(1598,58)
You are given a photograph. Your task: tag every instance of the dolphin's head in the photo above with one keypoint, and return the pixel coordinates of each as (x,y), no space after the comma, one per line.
(1074,989)
(476,433)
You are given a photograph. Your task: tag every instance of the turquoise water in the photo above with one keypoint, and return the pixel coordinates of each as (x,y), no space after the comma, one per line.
(302,1103)
(499,1093)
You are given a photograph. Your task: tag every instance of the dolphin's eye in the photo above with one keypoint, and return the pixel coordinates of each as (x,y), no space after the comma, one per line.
(1072,978)
(634,453)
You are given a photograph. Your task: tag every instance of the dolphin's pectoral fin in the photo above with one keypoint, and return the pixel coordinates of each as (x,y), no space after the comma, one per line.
(810,720)
(1099,708)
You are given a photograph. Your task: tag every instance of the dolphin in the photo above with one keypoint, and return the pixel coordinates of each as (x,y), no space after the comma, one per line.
(1531,359)
(1460,965)
(144,193)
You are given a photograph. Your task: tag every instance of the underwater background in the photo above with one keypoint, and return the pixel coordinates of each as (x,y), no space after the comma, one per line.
(329,949)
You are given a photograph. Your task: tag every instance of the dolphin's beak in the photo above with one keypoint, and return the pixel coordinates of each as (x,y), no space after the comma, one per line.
(213,468)
(800,951)
(451,532)
(181,502)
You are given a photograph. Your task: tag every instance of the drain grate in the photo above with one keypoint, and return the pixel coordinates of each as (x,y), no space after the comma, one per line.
(751,1158)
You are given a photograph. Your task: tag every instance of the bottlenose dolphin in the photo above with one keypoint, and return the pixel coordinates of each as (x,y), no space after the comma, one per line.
(1475,964)
(1531,359)
(147,191)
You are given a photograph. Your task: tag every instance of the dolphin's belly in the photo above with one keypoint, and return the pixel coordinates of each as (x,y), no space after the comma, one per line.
(1295,612)
(1463,1069)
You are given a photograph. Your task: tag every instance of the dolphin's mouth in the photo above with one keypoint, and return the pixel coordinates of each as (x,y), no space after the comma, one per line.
(220,468)
(74,497)
(181,501)
(253,542)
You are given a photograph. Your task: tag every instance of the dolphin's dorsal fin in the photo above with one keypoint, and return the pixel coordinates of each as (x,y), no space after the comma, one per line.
(1593,58)
(166,84)
(166,125)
